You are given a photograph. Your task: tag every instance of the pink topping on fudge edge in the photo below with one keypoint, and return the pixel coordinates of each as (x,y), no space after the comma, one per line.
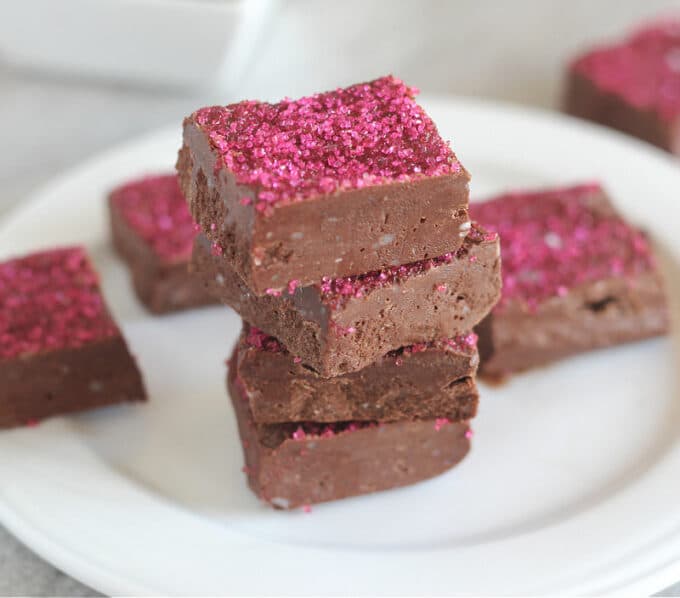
(553,240)
(366,134)
(337,290)
(51,300)
(644,69)
(156,210)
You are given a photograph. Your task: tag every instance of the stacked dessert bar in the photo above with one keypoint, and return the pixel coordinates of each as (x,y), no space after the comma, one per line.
(337,227)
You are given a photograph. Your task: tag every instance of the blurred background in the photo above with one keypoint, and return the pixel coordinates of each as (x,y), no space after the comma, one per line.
(77,76)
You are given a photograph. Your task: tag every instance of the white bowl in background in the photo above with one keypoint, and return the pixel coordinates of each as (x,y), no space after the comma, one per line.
(175,43)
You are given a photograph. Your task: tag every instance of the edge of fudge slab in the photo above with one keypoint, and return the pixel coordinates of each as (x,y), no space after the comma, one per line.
(430,380)
(291,465)
(576,276)
(632,85)
(342,325)
(60,350)
(153,232)
(336,195)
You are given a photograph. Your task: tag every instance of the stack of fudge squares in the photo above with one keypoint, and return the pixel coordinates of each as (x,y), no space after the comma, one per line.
(337,226)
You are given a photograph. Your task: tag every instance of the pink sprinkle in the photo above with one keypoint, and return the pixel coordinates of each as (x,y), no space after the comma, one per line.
(299,434)
(246,201)
(469,433)
(441,288)
(473,259)
(297,360)
(367,134)
(307,508)
(213,226)
(216,249)
(273,292)
(351,330)
(440,422)
(292,285)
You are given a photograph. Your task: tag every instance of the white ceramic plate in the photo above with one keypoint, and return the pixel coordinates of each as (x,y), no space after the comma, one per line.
(572,485)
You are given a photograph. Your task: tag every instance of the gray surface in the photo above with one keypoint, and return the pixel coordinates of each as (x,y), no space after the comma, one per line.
(512,51)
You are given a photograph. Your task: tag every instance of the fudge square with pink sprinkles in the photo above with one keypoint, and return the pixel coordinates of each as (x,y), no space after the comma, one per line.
(576,276)
(335,184)
(632,85)
(60,349)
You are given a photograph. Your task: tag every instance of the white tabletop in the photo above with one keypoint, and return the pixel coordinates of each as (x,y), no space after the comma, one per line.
(512,51)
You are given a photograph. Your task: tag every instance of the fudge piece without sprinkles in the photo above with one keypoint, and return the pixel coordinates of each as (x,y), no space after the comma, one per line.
(335,184)
(633,85)
(425,381)
(153,232)
(296,464)
(60,350)
(576,277)
(344,324)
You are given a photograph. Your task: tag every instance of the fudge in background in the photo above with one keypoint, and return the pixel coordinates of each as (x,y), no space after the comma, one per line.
(576,277)
(60,350)
(153,232)
(338,226)
(632,85)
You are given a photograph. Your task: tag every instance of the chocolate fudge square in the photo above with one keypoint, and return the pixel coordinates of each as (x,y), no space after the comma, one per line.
(342,325)
(297,464)
(424,381)
(632,85)
(335,184)
(153,232)
(60,350)
(576,276)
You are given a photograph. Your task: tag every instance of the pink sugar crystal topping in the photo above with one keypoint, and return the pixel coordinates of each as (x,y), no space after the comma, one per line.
(51,300)
(366,134)
(644,69)
(258,339)
(336,291)
(554,240)
(156,210)
(312,430)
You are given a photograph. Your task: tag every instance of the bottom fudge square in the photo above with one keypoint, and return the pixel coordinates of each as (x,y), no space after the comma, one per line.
(342,325)
(576,276)
(60,350)
(153,232)
(425,381)
(297,464)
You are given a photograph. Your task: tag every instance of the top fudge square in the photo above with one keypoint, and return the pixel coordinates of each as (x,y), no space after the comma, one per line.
(336,184)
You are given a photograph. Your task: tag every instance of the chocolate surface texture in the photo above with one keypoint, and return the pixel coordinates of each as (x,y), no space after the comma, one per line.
(293,465)
(333,185)
(343,325)
(426,381)
(576,277)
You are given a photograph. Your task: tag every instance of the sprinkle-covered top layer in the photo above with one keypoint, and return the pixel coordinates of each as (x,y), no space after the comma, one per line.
(336,291)
(366,134)
(644,69)
(464,343)
(555,240)
(156,210)
(51,300)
